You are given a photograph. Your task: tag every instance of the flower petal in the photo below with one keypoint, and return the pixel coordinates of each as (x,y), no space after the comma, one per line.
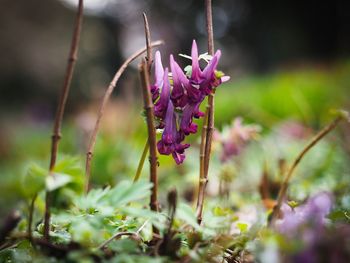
(196,72)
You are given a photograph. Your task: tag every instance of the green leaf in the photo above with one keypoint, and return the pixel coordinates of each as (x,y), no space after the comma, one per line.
(72,166)
(293,204)
(339,216)
(34,180)
(124,246)
(96,201)
(219,74)
(57,180)
(242,227)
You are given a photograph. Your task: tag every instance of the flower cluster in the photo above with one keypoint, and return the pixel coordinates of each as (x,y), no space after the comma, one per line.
(177,98)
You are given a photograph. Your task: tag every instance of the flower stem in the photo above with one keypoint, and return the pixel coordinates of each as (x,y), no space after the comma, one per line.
(145,70)
(141,162)
(208,122)
(73,55)
(149,108)
(202,180)
(105,99)
(309,146)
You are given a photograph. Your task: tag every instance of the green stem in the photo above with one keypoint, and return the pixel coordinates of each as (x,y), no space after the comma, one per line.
(141,162)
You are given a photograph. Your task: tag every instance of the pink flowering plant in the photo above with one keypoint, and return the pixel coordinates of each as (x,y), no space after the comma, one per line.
(177,97)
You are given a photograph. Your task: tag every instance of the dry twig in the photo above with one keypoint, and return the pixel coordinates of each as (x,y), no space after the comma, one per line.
(73,56)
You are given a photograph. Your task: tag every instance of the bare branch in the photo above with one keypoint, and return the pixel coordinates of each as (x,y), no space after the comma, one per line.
(283,190)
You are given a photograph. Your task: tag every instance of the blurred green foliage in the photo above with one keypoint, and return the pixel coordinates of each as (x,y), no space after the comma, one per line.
(233,215)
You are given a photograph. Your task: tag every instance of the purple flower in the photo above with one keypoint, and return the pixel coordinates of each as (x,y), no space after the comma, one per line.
(203,82)
(171,140)
(185,94)
(179,153)
(159,73)
(160,107)
(208,76)
(187,126)
(180,81)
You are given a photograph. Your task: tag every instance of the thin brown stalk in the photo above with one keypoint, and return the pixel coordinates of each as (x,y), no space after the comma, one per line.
(148,42)
(141,162)
(202,180)
(149,109)
(208,123)
(309,146)
(105,99)
(210,131)
(72,58)
(209,25)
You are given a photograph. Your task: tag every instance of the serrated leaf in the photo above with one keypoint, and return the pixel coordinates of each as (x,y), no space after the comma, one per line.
(95,201)
(126,192)
(57,180)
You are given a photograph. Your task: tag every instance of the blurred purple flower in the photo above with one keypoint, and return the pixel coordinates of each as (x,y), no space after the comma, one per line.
(234,138)
(294,130)
(313,213)
(308,223)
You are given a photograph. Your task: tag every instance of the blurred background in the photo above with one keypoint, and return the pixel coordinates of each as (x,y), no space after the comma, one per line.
(288,61)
